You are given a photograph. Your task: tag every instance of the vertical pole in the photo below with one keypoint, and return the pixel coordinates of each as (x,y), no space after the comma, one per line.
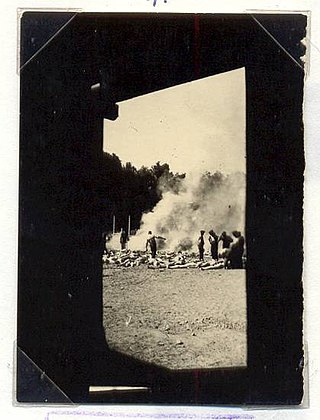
(113,224)
(129,225)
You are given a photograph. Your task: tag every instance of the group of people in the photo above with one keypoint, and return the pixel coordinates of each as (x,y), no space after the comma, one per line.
(232,248)
(231,251)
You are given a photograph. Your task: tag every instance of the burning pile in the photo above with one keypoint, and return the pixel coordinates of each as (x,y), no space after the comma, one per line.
(164,260)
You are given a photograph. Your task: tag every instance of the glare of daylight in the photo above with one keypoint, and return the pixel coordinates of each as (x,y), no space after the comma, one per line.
(194,127)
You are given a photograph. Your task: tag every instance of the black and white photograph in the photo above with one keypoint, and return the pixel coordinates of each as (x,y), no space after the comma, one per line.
(161,163)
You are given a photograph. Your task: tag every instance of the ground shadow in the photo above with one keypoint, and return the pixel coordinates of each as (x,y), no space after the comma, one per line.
(225,386)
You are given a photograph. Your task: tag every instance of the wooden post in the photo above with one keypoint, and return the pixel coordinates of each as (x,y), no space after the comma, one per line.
(129,225)
(113,224)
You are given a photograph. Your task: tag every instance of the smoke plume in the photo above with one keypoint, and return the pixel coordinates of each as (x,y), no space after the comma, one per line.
(208,201)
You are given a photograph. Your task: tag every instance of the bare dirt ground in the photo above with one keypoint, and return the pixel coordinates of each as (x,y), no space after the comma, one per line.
(179,319)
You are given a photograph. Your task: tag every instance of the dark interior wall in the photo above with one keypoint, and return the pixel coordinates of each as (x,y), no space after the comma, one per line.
(60,302)
(274,213)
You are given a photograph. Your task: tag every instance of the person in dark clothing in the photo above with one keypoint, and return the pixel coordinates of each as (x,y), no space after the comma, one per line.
(236,250)
(213,240)
(152,243)
(123,239)
(201,245)
(226,240)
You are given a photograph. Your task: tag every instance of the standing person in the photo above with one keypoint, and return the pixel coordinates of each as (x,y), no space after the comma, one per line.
(213,240)
(226,241)
(123,239)
(152,243)
(201,245)
(236,251)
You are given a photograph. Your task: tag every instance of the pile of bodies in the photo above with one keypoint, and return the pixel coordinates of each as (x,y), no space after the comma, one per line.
(163,260)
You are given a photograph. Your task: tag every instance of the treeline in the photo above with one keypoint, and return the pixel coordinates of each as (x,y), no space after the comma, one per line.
(127,190)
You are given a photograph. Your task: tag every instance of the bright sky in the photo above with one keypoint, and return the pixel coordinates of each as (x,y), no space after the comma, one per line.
(194,127)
